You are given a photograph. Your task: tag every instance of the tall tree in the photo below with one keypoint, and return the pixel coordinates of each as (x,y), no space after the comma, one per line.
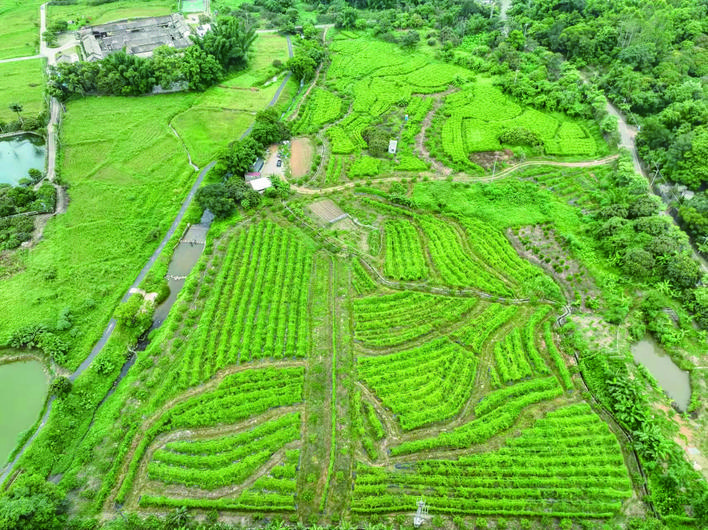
(17,108)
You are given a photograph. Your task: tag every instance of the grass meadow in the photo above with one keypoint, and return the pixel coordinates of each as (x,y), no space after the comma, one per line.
(23,83)
(126,183)
(19,31)
(224,112)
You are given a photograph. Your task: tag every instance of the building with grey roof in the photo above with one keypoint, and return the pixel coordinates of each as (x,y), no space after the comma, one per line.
(138,37)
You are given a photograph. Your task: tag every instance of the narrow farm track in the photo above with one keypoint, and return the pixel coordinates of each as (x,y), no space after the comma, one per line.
(461,177)
(206,387)
(142,481)
(467,293)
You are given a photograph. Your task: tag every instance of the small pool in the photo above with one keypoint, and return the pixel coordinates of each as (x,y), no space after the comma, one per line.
(19,154)
(675,382)
(23,389)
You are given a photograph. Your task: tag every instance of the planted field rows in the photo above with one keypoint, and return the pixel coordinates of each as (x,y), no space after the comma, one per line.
(259,304)
(422,385)
(391,320)
(404,253)
(568,464)
(219,462)
(479,114)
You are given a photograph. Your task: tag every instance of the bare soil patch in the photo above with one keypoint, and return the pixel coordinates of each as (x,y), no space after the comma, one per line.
(486,159)
(327,211)
(301,151)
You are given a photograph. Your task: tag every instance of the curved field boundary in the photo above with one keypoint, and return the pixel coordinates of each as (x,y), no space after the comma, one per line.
(206,387)
(141,479)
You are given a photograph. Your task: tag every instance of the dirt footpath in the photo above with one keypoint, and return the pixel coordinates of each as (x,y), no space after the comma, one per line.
(300,157)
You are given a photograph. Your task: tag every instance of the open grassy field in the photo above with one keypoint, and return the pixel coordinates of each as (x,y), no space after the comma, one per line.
(23,83)
(125,186)
(224,112)
(87,12)
(19,30)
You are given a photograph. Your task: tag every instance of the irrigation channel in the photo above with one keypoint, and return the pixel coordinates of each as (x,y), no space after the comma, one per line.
(187,251)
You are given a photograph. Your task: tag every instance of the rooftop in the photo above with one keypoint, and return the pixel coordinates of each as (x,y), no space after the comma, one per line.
(139,37)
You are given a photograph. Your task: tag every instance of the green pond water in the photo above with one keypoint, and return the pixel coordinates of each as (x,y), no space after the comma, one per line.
(19,154)
(23,388)
(675,382)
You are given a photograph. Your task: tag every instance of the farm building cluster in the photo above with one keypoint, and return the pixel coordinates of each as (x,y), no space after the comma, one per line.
(138,37)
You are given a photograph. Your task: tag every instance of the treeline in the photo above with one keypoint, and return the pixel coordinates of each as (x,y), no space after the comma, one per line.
(652,60)
(223,197)
(648,247)
(197,67)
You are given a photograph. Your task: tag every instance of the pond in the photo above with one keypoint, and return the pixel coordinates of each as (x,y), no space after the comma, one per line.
(675,382)
(23,389)
(184,258)
(19,154)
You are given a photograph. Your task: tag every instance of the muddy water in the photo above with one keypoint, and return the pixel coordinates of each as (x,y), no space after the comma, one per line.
(184,259)
(671,378)
(23,389)
(19,154)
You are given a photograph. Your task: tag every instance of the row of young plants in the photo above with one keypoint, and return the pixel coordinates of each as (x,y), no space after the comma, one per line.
(481,429)
(421,385)
(455,266)
(476,332)
(492,247)
(335,168)
(227,450)
(556,357)
(404,257)
(509,354)
(361,281)
(393,319)
(358,421)
(546,471)
(237,397)
(529,337)
(259,301)
(322,107)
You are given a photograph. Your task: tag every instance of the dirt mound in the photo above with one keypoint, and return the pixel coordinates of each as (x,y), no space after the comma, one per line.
(300,157)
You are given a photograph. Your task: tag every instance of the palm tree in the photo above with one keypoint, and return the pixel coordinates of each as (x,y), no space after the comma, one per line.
(16,107)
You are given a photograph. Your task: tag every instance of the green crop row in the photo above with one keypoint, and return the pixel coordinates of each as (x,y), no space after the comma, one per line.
(511,359)
(394,319)
(361,281)
(404,253)
(421,385)
(238,396)
(491,401)
(553,468)
(322,107)
(259,303)
(479,430)
(556,357)
(476,332)
(455,266)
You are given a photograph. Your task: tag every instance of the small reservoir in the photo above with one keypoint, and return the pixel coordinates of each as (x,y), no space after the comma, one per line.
(19,154)
(184,258)
(675,382)
(23,389)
